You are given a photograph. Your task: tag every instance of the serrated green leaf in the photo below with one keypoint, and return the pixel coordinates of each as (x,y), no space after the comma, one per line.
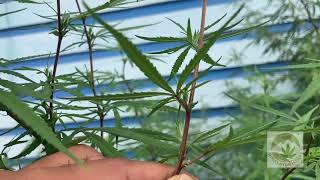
(72,142)
(228,143)
(195,61)
(162,39)
(207,59)
(106,149)
(189,31)
(170,50)
(309,92)
(133,53)
(25,89)
(178,63)
(2,164)
(117,117)
(307,117)
(106,5)
(114,97)
(201,75)
(203,51)
(201,84)
(142,137)
(28,1)
(208,134)
(177,24)
(241,31)
(20,110)
(262,108)
(156,134)
(251,139)
(17,139)
(215,22)
(256,130)
(148,104)
(160,104)
(19,75)
(31,147)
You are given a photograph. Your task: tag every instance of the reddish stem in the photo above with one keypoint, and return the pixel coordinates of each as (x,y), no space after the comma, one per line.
(188,108)
(182,152)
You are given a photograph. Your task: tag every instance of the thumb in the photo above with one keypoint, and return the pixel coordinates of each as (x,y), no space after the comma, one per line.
(182,177)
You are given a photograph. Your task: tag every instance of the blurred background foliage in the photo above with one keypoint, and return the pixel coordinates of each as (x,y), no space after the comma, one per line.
(298,45)
(257,112)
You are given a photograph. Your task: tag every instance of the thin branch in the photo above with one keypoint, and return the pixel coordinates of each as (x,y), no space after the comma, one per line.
(306,8)
(183,149)
(89,45)
(91,78)
(197,158)
(56,60)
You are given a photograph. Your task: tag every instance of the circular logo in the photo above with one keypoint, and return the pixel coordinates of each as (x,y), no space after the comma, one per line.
(285,150)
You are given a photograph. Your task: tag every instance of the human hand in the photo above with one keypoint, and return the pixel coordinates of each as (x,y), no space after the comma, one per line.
(59,166)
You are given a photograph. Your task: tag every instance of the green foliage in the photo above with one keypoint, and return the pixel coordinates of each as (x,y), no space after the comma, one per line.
(140,60)
(105,147)
(25,116)
(311,90)
(113,97)
(160,120)
(294,111)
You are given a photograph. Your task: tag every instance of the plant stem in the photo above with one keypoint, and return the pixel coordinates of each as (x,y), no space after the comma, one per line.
(89,45)
(91,78)
(183,149)
(56,60)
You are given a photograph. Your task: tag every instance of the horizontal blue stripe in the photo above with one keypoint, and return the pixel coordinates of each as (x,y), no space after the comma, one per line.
(142,11)
(147,47)
(129,121)
(145,83)
(215,74)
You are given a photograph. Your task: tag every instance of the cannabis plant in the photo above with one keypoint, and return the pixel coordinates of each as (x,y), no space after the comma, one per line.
(39,106)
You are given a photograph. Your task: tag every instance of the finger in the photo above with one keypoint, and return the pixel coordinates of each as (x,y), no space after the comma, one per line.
(94,170)
(149,170)
(112,168)
(83,152)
